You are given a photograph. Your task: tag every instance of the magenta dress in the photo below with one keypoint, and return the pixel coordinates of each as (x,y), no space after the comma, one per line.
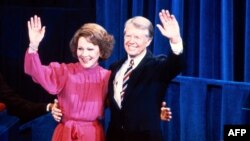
(81,93)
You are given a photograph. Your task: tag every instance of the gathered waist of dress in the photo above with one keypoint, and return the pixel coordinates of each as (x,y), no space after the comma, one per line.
(79,122)
(79,130)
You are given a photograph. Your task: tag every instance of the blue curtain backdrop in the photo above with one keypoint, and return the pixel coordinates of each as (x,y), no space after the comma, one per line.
(215,33)
(211,91)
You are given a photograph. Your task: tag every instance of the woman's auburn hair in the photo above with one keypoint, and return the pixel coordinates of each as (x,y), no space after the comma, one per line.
(95,34)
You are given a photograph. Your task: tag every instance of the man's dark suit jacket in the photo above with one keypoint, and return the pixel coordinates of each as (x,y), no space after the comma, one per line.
(17,106)
(139,117)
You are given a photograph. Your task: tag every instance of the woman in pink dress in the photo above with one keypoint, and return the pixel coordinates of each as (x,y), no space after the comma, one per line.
(80,87)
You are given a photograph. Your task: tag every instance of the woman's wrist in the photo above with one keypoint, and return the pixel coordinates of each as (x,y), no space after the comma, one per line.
(33,47)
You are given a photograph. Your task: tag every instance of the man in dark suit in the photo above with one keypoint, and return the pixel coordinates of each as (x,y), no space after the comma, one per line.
(20,107)
(135,104)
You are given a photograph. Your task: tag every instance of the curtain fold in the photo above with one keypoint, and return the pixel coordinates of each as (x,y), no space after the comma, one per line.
(247,44)
(209,39)
(227,42)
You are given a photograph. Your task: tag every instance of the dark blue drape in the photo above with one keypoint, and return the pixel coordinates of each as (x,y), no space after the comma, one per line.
(215,33)
(217,52)
(247,44)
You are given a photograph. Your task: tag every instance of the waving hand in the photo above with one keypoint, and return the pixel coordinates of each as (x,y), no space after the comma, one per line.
(169,26)
(36,31)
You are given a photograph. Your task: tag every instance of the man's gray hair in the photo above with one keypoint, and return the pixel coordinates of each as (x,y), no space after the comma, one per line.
(141,23)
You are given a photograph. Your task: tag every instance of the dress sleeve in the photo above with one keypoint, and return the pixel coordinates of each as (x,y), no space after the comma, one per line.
(52,77)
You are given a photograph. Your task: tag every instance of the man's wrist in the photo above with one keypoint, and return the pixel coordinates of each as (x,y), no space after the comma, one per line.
(49,107)
(176,39)
(177,48)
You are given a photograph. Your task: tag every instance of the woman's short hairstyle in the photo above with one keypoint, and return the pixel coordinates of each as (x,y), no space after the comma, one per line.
(96,35)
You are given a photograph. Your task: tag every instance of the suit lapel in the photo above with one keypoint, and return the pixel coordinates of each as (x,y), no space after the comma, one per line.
(135,76)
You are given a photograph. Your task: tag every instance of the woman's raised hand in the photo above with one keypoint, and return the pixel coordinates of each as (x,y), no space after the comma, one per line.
(36,31)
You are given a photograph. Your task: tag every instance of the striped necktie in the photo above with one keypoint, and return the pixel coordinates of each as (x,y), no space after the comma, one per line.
(126,78)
